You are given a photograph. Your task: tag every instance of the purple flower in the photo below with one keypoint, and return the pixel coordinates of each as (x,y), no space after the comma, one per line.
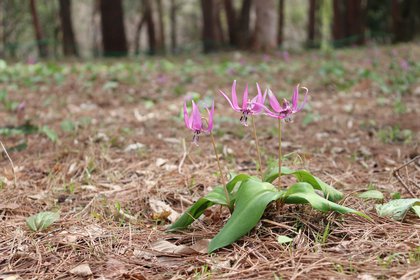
(195,121)
(404,65)
(252,106)
(286,110)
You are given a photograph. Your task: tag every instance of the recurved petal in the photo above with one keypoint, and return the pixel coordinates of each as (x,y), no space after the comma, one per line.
(273,101)
(245,98)
(234,103)
(230,102)
(304,99)
(186,118)
(196,117)
(210,121)
(295,98)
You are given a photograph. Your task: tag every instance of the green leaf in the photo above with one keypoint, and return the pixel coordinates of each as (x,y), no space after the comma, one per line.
(192,214)
(372,194)
(301,193)
(304,176)
(282,239)
(251,200)
(49,133)
(42,220)
(216,196)
(67,126)
(397,209)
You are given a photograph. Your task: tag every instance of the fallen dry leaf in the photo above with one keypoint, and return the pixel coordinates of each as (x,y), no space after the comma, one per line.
(161,209)
(81,270)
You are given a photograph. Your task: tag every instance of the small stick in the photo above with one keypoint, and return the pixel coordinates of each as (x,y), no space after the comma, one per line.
(258,147)
(396,174)
(11,163)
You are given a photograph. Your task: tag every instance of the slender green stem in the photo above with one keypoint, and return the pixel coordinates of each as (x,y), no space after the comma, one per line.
(220,170)
(279,179)
(258,146)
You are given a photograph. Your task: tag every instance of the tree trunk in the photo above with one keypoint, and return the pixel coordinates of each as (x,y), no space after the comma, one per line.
(69,42)
(113,32)
(231,22)
(311,23)
(405,19)
(280,23)
(265,25)
(349,22)
(161,42)
(42,45)
(137,34)
(151,33)
(243,26)
(173,9)
(209,26)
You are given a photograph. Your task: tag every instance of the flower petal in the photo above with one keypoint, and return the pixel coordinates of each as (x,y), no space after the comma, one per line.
(295,98)
(210,120)
(234,97)
(245,99)
(304,99)
(196,118)
(273,101)
(186,118)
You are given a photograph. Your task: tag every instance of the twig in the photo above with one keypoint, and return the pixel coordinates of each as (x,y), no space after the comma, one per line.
(396,174)
(11,163)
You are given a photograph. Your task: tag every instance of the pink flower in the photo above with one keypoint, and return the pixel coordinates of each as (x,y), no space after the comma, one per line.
(195,121)
(286,110)
(252,106)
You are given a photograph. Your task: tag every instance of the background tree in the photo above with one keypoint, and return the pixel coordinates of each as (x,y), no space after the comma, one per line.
(40,40)
(69,41)
(312,15)
(265,25)
(405,20)
(280,23)
(112,25)
(210,37)
(348,22)
(161,38)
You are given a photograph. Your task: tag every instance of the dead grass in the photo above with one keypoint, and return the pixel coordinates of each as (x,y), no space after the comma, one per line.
(104,193)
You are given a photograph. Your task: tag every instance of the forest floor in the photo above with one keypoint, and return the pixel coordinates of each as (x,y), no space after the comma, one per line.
(106,147)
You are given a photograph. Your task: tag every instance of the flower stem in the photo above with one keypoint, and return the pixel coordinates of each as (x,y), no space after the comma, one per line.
(221,172)
(258,146)
(279,179)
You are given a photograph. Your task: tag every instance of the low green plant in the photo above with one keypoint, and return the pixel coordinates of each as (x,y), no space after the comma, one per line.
(247,196)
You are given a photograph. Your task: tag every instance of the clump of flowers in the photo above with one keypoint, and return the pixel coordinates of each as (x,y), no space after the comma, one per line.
(247,196)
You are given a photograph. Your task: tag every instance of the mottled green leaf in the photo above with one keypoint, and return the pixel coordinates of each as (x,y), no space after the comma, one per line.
(304,176)
(397,209)
(371,194)
(42,220)
(251,200)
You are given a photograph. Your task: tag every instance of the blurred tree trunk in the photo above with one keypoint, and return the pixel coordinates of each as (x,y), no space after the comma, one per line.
(405,19)
(349,22)
(139,27)
(220,37)
(161,41)
(210,39)
(41,43)
(231,22)
(312,23)
(113,32)
(151,33)
(69,42)
(280,23)
(265,25)
(173,10)
(243,26)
